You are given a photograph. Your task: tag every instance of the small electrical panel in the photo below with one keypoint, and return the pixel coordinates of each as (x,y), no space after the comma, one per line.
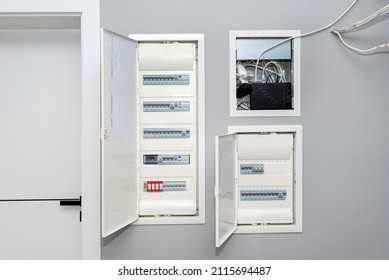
(154,127)
(258,187)
(264,73)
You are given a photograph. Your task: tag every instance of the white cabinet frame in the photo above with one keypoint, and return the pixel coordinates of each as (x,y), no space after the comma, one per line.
(226,158)
(296,66)
(121,202)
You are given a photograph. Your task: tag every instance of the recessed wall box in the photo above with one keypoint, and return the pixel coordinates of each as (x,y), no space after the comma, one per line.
(258,185)
(264,73)
(152,130)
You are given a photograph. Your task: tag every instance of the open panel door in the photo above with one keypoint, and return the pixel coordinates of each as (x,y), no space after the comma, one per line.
(119,132)
(225,188)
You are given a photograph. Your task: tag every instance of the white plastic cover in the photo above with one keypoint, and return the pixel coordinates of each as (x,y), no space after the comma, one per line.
(273,216)
(269,147)
(225,188)
(119,148)
(167,207)
(166,57)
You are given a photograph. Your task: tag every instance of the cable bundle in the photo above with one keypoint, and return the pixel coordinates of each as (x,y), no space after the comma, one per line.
(359,24)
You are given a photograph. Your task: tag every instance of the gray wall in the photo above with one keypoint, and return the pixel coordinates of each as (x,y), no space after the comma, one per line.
(345,111)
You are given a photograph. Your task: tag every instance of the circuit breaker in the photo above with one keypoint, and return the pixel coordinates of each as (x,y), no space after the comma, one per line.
(258,187)
(264,73)
(153,129)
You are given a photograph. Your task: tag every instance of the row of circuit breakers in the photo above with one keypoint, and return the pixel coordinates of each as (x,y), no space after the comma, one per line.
(256,193)
(168,124)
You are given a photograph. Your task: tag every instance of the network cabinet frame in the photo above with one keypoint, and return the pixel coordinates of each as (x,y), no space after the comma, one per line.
(275,36)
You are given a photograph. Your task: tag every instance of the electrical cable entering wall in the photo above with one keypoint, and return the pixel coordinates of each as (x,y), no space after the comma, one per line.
(359,24)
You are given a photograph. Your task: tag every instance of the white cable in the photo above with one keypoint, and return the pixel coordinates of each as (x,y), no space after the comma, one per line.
(381,12)
(378,14)
(267,70)
(356,49)
(277,66)
(302,35)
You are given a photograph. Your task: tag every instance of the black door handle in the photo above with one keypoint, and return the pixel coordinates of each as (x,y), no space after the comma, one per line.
(70,202)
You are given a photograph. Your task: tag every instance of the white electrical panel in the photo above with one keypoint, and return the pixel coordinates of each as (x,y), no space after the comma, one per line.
(155,119)
(258,187)
(264,73)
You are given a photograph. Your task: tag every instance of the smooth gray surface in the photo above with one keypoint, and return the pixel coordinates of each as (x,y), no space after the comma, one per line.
(345,105)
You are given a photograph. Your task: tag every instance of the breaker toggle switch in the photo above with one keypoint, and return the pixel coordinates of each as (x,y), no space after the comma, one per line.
(153,186)
(159,186)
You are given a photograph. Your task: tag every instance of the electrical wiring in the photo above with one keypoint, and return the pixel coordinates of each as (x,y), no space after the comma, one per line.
(364,51)
(242,104)
(301,36)
(277,71)
(373,17)
(270,68)
(359,24)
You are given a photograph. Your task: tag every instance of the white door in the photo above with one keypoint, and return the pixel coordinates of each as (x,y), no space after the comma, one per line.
(119,132)
(39,230)
(40,143)
(225,187)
